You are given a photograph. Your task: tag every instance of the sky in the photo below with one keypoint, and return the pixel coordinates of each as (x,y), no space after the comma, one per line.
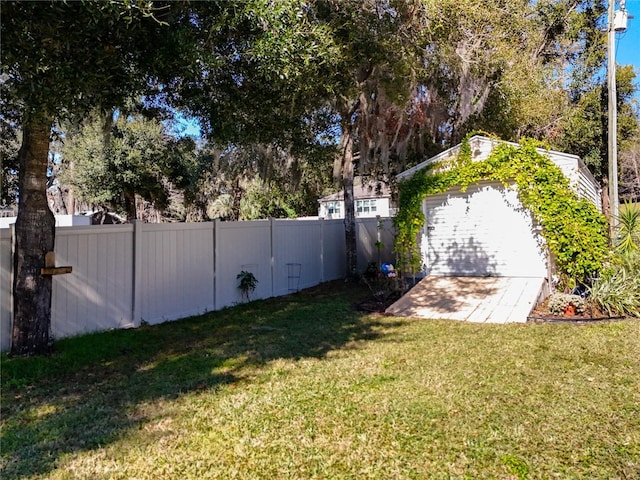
(628,43)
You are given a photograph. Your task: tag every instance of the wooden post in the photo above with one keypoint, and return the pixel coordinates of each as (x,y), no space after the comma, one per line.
(50,266)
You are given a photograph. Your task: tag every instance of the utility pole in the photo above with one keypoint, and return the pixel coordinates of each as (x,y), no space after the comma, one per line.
(617,22)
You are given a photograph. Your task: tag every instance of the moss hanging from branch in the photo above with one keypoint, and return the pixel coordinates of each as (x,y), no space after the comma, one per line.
(575,232)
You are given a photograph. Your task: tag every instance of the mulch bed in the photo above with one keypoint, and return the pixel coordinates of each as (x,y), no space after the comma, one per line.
(372,305)
(592,313)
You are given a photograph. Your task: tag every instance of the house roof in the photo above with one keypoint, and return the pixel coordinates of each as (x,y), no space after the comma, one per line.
(580,178)
(481,148)
(361,192)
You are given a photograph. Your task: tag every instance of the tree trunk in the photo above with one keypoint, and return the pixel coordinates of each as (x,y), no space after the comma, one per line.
(347,174)
(34,237)
(236,191)
(130,206)
(70,202)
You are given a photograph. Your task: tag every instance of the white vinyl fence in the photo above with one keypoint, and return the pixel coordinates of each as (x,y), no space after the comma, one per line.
(124,275)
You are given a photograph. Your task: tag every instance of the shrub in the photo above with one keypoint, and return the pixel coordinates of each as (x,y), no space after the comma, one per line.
(629,232)
(618,290)
(558,303)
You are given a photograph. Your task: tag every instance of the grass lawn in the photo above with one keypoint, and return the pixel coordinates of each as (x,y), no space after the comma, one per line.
(305,387)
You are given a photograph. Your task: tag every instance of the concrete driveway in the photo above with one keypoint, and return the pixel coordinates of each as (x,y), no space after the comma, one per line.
(472,299)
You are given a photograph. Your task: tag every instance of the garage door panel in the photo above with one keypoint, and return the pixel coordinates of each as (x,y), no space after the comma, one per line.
(483,231)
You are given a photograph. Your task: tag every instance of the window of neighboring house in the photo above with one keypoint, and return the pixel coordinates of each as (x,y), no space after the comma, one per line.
(333,208)
(366,206)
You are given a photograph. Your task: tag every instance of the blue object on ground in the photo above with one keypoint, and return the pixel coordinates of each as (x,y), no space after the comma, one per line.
(386,268)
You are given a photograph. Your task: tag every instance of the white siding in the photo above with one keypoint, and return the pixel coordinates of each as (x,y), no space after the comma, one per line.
(382,209)
(483,231)
(580,178)
(588,187)
(323,211)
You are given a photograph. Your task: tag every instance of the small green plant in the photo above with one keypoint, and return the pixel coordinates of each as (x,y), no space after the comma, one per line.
(617,291)
(560,303)
(248,283)
(516,466)
(629,229)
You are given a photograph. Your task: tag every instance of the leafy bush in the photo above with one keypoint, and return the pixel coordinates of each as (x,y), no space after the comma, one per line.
(618,290)
(558,303)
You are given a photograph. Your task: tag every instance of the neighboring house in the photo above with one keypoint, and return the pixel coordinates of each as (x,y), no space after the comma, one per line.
(485,231)
(370,202)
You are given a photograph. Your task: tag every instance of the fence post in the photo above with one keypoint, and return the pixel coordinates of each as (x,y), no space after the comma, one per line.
(272,262)
(11,274)
(137,271)
(216,229)
(213,264)
(322,265)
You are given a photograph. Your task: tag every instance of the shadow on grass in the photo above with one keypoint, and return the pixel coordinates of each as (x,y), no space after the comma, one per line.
(84,395)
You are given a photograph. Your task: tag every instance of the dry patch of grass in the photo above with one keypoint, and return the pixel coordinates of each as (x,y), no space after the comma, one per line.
(305,387)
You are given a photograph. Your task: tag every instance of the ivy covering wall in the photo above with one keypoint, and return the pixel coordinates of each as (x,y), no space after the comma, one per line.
(574,231)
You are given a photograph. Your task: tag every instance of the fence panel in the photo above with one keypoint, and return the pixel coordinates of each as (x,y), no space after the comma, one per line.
(296,255)
(333,250)
(175,277)
(369,231)
(242,246)
(123,274)
(5,289)
(98,294)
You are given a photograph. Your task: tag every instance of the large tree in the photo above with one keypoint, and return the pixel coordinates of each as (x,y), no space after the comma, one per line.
(244,182)
(131,158)
(60,60)
(396,76)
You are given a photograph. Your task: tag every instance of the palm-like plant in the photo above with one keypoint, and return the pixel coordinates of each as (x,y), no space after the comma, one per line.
(629,225)
(617,291)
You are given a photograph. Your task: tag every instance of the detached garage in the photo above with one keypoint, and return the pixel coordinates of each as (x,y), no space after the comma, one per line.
(483,254)
(484,230)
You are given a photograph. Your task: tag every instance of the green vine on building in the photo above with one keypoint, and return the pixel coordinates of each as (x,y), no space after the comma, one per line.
(574,231)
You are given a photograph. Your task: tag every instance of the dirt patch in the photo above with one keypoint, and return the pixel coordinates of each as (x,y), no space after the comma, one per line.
(373,305)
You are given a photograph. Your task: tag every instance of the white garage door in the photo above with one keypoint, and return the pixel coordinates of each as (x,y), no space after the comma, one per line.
(483,231)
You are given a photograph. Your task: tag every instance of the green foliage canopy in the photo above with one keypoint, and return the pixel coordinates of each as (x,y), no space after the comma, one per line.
(134,157)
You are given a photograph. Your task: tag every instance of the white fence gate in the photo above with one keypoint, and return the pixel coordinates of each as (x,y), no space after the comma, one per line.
(126,274)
